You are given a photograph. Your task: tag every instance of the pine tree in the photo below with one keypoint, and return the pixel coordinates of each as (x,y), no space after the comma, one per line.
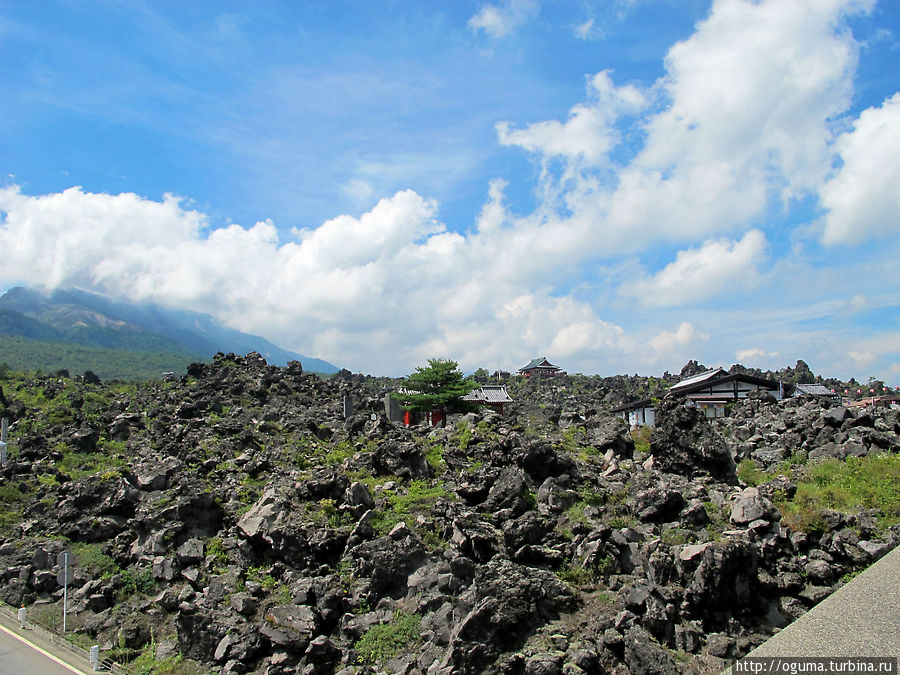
(440,385)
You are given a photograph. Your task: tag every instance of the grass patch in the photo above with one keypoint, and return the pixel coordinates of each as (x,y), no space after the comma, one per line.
(215,547)
(573,516)
(148,664)
(325,511)
(418,499)
(748,473)
(464,435)
(385,641)
(572,439)
(618,522)
(336,456)
(435,456)
(641,437)
(578,575)
(82,464)
(92,559)
(871,482)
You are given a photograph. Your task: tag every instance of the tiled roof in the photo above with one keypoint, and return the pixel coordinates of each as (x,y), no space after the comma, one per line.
(540,362)
(813,389)
(488,394)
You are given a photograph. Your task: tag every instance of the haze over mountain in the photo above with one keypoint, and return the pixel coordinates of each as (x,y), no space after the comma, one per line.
(76,317)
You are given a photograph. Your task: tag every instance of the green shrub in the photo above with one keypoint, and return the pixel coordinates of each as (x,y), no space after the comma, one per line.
(385,641)
(92,559)
(139,582)
(435,456)
(575,575)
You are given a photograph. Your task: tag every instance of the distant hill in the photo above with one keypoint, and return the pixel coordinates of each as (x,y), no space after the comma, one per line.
(28,355)
(76,317)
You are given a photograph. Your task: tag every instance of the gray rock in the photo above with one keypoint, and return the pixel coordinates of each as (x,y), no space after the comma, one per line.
(244,603)
(684,442)
(358,496)
(693,551)
(658,504)
(644,656)
(261,515)
(190,552)
(749,506)
(548,663)
(875,549)
(836,416)
(819,570)
(719,644)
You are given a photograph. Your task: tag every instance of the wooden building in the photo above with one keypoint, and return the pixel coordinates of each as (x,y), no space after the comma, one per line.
(493,396)
(710,391)
(540,366)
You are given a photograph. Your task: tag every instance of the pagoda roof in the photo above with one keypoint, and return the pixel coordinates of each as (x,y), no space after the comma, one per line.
(540,362)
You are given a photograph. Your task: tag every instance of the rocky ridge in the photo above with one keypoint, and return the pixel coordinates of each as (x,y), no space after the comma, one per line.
(235,517)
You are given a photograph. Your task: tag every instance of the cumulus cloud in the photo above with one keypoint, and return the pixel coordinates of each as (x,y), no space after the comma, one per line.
(742,119)
(753,355)
(682,340)
(376,292)
(863,197)
(503,18)
(589,133)
(699,274)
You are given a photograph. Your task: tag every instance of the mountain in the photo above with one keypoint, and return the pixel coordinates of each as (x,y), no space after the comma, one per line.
(76,317)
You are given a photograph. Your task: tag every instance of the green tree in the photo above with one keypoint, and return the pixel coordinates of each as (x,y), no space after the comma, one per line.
(440,385)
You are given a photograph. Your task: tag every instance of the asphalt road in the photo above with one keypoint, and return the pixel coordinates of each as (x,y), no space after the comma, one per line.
(21,658)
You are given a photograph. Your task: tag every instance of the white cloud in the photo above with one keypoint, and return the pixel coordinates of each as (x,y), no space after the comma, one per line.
(742,119)
(717,267)
(586,30)
(375,292)
(863,197)
(686,337)
(862,359)
(589,133)
(753,355)
(858,303)
(502,19)
(754,89)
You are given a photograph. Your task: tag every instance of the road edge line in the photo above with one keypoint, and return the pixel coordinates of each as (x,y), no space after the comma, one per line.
(50,656)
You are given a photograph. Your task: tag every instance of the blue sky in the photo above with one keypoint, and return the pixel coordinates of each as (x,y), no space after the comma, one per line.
(618,185)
